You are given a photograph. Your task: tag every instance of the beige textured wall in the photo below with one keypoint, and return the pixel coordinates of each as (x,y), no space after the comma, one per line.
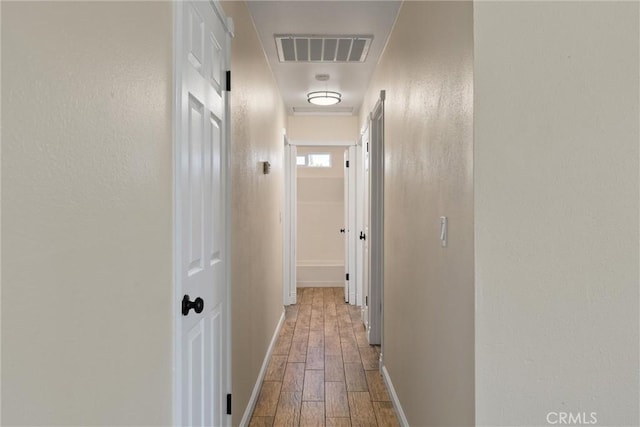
(426,70)
(320,218)
(86,221)
(556,210)
(258,119)
(322,129)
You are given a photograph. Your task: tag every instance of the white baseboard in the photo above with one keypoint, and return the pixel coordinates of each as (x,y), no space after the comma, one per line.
(309,284)
(246,418)
(394,398)
(320,272)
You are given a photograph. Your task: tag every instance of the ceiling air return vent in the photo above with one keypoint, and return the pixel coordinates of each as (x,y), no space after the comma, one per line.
(314,48)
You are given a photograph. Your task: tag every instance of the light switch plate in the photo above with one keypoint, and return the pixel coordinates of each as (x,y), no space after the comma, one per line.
(444,223)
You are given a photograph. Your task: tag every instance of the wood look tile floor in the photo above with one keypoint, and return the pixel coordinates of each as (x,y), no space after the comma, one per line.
(322,371)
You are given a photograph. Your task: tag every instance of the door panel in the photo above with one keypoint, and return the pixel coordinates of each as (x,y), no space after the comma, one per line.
(352,233)
(216,178)
(376,223)
(201,198)
(345,235)
(365,226)
(217,392)
(194,175)
(290,223)
(195,25)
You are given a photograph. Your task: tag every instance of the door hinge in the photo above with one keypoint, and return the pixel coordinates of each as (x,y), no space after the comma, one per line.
(347,276)
(347,163)
(366,300)
(367,147)
(228,80)
(228,404)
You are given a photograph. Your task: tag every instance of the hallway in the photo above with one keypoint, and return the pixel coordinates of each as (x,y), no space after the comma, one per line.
(322,371)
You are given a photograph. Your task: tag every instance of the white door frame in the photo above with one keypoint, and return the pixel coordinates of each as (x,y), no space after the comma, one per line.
(360,212)
(376,224)
(178,35)
(346,233)
(291,198)
(366,226)
(351,229)
(289,223)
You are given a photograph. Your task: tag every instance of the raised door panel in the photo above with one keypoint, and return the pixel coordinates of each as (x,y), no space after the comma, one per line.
(217,393)
(195,180)
(194,403)
(195,34)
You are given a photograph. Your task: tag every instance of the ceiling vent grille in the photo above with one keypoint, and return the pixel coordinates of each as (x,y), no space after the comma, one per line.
(306,48)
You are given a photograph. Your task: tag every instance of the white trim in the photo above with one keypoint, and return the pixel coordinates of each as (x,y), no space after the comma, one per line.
(227,184)
(376,224)
(246,418)
(320,284)
(321,263)
(227,23)
(402,418)
(359,224)
(365,205)
(352,231)
(289,223)
(307,143)
(322,113)
(176,117)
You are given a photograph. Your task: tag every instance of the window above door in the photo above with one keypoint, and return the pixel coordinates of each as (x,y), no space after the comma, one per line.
(314,160)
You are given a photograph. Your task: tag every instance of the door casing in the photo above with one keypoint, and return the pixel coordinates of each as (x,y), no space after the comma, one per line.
(362,221)
(350,224)
(291,198)
(289,223)
(376,223)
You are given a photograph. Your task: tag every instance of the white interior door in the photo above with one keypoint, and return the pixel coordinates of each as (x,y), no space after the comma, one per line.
(346,225)
(352,232)
(365,226)
(376,223)
(290,221)
(359,220)
(202,241)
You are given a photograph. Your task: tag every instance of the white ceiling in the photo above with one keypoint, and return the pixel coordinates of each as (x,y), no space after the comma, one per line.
(323,18)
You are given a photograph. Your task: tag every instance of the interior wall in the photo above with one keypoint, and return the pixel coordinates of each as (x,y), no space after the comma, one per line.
(87,213)
(556,211)
(257,123)
(322,129)
(428,332)
(320,204)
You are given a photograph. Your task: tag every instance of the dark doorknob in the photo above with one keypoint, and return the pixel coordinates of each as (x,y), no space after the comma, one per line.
(197,305)
(363,236)
(342,230)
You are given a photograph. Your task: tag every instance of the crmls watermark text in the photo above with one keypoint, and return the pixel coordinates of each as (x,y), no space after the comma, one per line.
(572,418)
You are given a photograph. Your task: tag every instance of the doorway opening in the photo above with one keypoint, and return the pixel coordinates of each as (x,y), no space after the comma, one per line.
(322,205)
(320,218)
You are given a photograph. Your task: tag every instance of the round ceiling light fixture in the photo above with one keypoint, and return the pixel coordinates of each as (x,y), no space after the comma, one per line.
(324,97)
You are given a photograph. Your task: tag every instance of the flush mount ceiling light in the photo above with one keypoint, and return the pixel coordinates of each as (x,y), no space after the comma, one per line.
(324,97)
